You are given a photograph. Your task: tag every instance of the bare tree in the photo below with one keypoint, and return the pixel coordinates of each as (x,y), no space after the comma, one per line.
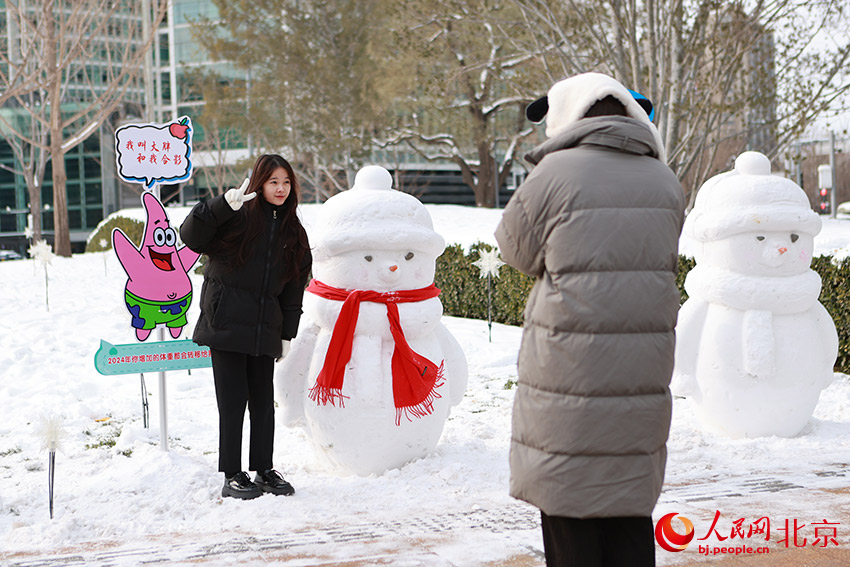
(724,75)
(83,59)
(31,158)
(220,170)
(18,87)
(222,119)
(468,85)
(309,94)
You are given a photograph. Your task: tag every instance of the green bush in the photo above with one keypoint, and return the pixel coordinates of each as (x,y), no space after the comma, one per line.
(134,230)
(835,297)
(464,292)
(686,264)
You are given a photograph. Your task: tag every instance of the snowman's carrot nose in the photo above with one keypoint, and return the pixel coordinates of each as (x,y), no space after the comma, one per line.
(783,250)
(393,268)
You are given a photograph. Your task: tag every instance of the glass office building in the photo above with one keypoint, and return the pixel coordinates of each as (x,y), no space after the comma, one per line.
(89,165)
(93,188)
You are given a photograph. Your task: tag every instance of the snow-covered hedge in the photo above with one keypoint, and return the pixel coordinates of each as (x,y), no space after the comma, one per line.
(101,238)
(464,293)
(835,296)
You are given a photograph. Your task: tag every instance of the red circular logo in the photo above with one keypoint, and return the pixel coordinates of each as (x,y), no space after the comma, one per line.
(670,539)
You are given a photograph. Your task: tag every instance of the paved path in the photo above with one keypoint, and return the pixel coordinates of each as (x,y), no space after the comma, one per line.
(423,541)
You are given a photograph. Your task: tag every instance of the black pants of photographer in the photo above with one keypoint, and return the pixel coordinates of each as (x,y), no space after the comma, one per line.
(244,381)
(598,542)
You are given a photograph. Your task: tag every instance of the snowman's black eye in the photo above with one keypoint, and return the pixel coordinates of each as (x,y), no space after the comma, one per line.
(368,258)
(408,256)
(759,238)
(794,237)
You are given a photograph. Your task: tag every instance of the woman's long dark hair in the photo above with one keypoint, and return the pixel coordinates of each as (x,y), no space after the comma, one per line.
(292,237)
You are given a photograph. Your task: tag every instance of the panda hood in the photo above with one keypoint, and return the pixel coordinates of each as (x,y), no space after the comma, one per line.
(568,101)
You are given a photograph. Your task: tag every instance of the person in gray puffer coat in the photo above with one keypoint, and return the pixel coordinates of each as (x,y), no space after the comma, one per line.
(597,222)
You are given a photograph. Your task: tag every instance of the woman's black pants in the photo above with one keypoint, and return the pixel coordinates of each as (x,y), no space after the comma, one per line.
(242,380)
(598,542)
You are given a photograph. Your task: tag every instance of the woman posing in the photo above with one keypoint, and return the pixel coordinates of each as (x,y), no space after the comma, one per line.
(258,262)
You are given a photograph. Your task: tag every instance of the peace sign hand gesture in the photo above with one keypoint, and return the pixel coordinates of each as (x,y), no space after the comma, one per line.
(236,197)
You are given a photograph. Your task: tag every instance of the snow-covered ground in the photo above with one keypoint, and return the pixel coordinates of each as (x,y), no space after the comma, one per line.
(121,500)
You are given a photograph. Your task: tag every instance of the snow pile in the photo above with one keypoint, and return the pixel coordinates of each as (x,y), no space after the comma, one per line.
(117,491)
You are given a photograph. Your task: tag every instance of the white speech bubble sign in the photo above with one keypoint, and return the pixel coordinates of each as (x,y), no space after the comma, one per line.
(154,153)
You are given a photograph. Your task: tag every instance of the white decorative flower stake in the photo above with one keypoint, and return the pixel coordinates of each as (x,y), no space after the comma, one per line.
(103,243)
(51,431)
(42,251)
(489,264)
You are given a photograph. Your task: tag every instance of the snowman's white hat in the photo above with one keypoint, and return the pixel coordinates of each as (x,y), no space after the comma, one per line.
(750,199)
(373,215)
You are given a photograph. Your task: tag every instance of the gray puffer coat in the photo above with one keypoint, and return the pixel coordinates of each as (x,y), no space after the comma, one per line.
(597,222)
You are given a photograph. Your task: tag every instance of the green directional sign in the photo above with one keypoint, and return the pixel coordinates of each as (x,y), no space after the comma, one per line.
(150,357)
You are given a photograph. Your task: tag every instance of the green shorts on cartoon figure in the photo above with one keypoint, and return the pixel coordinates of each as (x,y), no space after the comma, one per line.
(158,290)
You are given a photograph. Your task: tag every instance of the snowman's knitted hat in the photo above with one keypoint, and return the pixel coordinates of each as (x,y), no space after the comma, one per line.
(750,199)
(570,99)
(373,215)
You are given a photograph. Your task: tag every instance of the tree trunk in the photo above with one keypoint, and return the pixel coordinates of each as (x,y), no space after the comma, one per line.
(61,232)
(485,189)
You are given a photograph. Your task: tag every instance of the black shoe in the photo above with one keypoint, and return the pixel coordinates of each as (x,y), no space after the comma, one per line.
(240,486)
(272,481)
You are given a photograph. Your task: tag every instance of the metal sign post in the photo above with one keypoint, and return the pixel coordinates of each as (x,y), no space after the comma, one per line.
(157,357)
(163,404)
(153,154)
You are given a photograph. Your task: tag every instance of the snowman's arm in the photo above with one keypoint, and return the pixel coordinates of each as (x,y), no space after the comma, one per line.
(829,336)
(688,336)
(128,255)
(291,375)
(455,369)
(188,257)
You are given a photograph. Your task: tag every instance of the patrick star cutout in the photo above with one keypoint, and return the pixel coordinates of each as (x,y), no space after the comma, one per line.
(158,290)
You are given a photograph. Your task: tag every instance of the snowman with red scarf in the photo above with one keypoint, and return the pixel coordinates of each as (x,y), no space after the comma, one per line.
(373,373)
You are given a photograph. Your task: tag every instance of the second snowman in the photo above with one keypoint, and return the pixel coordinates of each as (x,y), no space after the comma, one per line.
(373,372)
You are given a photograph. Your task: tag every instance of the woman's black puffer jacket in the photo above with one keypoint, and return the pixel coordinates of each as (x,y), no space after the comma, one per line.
(251,308)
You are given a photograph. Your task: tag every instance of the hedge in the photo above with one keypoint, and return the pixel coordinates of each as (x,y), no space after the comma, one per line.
(464,292)
(134,229)
(835,296)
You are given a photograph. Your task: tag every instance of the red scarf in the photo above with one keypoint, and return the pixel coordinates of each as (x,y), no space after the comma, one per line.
(415,378)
